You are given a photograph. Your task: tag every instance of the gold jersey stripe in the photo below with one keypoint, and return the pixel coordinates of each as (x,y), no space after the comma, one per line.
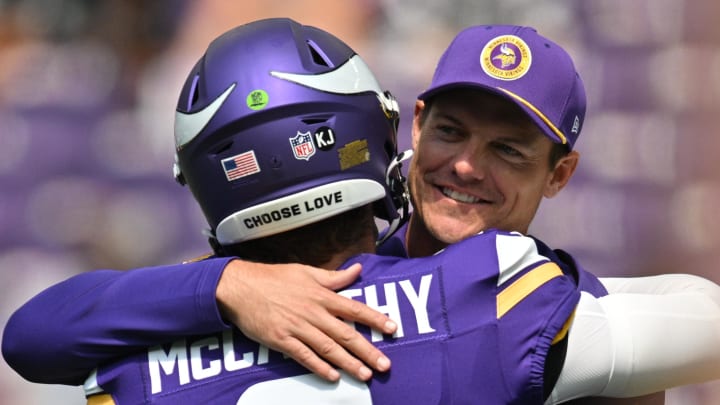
(563,332)
(198,259)
(100,399)
(522,287)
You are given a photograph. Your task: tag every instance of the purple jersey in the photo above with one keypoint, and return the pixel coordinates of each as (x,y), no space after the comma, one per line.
(475,323)
(586,281)
(64,332)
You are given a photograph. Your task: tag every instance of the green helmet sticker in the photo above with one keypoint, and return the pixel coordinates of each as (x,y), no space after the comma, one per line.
(257,99)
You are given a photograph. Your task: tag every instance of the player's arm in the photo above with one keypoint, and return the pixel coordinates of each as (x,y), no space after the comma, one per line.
(67,330)
(64,332)
(625,344)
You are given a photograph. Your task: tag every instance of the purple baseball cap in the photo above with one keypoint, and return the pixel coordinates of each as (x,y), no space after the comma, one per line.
(521,65)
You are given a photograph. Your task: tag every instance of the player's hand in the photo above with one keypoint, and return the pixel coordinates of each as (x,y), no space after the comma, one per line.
(294,309)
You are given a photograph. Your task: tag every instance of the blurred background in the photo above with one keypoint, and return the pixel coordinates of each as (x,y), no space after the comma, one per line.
(88,90)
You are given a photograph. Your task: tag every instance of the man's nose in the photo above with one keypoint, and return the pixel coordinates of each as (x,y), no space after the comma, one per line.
(471,163)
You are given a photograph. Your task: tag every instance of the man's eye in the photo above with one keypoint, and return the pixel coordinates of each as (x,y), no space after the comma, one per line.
(508,150)
(448,132)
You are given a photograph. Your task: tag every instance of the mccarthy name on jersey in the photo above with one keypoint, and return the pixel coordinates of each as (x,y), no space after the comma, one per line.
(474,321)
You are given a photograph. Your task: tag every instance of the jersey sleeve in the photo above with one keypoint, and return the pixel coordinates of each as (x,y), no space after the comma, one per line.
(584,280)
(67,330)
(535,301)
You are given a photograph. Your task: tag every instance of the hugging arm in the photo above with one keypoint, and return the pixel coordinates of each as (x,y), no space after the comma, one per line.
(66,331)
(630,344)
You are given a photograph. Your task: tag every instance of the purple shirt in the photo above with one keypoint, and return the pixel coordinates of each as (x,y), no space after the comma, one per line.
(64,332)
(395,246)
(475,325)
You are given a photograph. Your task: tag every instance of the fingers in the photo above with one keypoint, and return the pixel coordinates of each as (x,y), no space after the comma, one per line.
(294,309)
(349,350)
(355,311)
(316,338)
(332,348)
(308,359)
(336,280)
(338,342)
(316,351)
(350,309)
(341,344)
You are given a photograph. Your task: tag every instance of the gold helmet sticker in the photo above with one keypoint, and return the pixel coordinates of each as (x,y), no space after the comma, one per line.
(353,154)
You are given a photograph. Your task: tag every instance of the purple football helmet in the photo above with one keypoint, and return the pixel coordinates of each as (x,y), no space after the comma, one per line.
(280,125)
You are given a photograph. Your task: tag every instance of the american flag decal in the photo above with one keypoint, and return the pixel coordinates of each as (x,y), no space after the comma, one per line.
(240,165)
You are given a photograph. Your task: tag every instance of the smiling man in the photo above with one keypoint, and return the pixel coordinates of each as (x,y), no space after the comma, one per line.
(493,135)
(480,163)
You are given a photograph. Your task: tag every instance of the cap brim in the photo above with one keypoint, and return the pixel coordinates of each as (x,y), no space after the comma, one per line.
(531,112)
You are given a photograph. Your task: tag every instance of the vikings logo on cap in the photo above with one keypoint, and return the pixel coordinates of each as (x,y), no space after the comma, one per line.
(506,57)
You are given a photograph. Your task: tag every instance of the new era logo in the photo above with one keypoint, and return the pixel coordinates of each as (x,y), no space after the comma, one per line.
(576,125)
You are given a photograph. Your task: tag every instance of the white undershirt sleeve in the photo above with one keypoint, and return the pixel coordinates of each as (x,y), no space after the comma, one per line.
(662,284)
(630,344)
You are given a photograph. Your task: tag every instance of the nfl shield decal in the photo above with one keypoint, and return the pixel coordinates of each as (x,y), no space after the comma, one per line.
(302,145)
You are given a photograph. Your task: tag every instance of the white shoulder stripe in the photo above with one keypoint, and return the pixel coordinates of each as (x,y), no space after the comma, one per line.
(515,253)
(91,386)
(188,126)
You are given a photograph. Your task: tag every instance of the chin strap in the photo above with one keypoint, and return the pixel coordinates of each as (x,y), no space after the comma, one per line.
(214,244)
(400,193)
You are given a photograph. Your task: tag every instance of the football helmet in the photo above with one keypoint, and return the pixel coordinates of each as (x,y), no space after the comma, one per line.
(279,125)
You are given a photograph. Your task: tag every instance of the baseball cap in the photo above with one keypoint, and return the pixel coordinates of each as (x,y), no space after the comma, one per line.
(521,65)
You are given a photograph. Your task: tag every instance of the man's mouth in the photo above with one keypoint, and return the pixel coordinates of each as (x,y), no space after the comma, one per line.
(458,196)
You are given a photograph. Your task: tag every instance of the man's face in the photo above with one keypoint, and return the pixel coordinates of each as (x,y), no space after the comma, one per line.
(479,163)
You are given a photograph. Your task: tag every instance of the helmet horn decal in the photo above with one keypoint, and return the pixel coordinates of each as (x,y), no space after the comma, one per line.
(352,77)
(188,126)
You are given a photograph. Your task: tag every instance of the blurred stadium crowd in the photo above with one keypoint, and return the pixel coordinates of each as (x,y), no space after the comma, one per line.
(88,91)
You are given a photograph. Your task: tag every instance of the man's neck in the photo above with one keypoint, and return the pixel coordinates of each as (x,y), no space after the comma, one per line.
(366,245)
(419,241)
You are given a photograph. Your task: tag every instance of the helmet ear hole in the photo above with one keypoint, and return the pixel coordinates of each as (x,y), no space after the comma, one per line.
(194,93)
(318,56)
(314,120)
(223,148)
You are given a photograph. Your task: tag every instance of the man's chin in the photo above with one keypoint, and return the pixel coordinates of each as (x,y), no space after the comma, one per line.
(453,231)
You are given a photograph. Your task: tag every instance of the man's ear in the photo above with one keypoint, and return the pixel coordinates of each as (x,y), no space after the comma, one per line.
(419,107)
(561,174)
